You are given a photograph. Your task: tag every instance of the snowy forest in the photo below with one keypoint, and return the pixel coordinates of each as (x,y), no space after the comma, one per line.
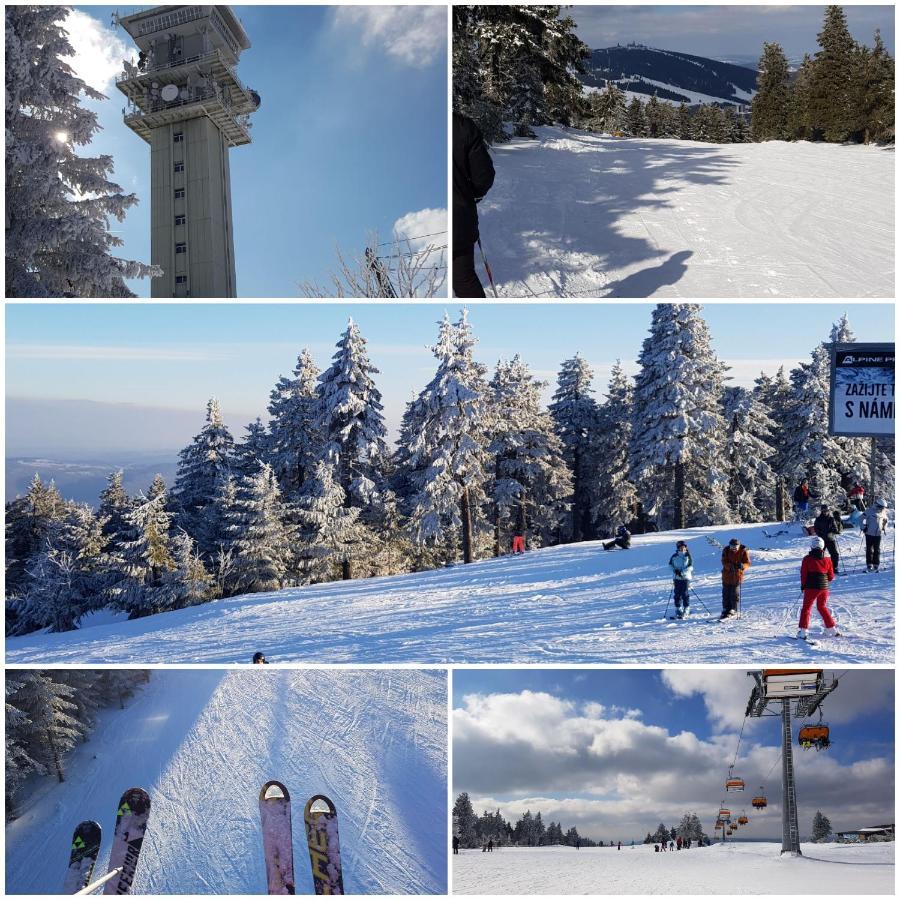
(519,65)
(475,831)
(315,494)
(49,712)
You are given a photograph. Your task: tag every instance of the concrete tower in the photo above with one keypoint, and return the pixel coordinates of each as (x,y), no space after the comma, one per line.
(186,101)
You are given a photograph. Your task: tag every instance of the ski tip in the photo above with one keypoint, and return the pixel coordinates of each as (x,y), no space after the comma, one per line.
(274,790)
(135,801)
(319,804)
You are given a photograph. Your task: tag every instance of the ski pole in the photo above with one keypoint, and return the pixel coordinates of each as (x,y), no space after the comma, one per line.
(100,881)
(666,613)
(700,600)
(487,269)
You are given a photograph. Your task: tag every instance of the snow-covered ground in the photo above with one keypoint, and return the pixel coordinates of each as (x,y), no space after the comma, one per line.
(569,604)
(203,742)
(735,868)
(578,214)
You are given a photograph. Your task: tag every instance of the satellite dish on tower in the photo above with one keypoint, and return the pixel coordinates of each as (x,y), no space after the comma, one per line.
(169,93)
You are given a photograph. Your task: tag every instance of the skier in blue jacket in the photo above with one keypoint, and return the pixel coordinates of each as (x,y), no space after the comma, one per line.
(682,566)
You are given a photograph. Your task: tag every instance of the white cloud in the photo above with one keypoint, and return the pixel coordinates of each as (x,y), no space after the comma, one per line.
(614,776)
(413,35)
(99,51)
(414,226)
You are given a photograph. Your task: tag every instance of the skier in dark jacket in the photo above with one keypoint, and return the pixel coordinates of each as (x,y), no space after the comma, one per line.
(456,843)
(828,526)
(816,573)
(259,659)
(473,175)
(622,539)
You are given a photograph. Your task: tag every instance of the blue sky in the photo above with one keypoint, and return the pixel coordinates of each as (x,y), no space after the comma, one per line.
(351,135)
(723,32)
(168,359)
(615,751)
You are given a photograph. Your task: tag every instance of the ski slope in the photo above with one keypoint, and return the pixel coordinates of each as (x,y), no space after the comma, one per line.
(574,603)
(735,868)
(579,214)
(203,742)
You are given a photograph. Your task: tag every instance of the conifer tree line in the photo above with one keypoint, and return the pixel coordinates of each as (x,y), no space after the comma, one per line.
(519,65)
(689,828)
(529,831)
(50,712)
(317,495)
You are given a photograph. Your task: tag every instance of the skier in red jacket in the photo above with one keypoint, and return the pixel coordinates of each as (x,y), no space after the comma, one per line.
(816,573)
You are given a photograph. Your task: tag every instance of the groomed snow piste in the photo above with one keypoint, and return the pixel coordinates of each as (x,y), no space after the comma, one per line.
(736,868)
(579,214)
(203,742)
(574,603)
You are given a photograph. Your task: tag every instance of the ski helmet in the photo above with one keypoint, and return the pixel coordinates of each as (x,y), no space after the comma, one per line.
(881,502)
(681,544)
(258,658)
(817,544)
(734,542)
(824,507)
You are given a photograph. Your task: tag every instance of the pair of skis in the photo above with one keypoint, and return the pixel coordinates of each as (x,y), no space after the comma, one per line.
(128,838)
(320,819)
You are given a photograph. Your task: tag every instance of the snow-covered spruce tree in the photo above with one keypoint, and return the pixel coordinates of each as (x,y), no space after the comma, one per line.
(113,512)
(770,108)
(747,450)
(465,821)
(47,729)
(614,500)
(294,442)
(253,451)
(677,443)
(774,394)
(531,481)
(684,126)
(830,463)
(709,124)
(146,557)
(203,467)
(635,120)
(186,583)
(29,520)
(349,418)
(653,113)
(256,534)
(575,416)
(516,63)
(58,204)
(446,456)
(607,110)
(328,533)
(66,579)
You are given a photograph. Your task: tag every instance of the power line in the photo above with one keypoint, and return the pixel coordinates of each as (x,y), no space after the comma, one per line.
(415,237)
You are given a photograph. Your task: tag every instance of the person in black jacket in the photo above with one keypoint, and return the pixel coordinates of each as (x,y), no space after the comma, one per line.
(473,175)
(622,539)
(828,526)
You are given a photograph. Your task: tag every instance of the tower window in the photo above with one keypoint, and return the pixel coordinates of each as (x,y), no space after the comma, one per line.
(181,248)
(178,137)
(179,193)
(179,220)
(179,167)
(181,279)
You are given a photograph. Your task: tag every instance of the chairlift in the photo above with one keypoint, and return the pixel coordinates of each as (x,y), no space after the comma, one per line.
(760,802)
(743,820)
(735,784)
(724,813)
(817,736)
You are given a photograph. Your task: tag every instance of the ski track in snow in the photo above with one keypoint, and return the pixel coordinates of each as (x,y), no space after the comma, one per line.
(569,604)
(735,868)
(203,743)
(578,214)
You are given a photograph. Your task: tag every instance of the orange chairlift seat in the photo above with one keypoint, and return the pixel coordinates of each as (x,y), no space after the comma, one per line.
(743,820)
(735,784)
(759,802)
(817,736)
